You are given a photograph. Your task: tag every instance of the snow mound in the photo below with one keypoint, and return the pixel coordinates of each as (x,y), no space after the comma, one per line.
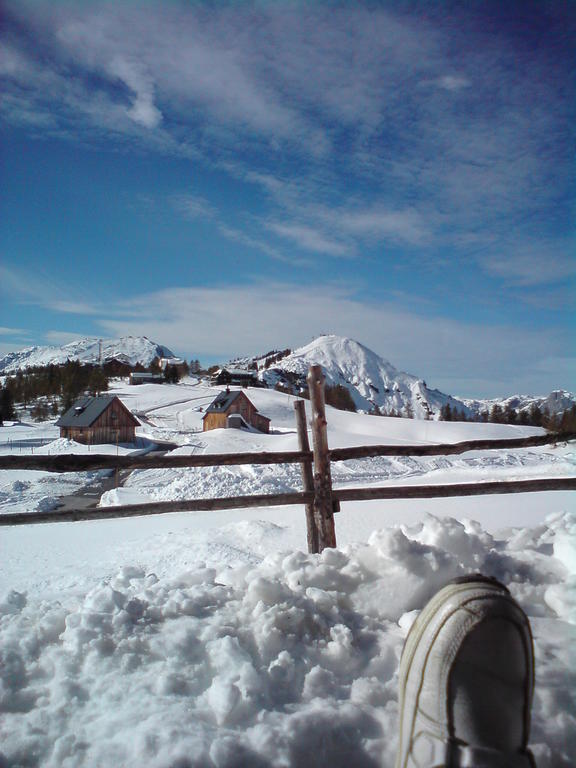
(290,662)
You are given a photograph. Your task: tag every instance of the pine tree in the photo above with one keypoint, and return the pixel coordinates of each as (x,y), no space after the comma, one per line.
(172,374)
(497,414)
(510,415)
(6,405)
(535,415)
(568,421)
(446,412)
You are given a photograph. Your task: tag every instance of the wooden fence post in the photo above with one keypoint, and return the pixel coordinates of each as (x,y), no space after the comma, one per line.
(323,501)
(307,476)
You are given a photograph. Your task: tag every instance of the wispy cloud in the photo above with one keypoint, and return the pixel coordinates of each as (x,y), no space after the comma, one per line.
(239,236)
(341,86)
(353,127)
(449,82)
(498,359)
(535,263)
(310,239)
(197,320)
(62,337)
(194,206)
(143,110)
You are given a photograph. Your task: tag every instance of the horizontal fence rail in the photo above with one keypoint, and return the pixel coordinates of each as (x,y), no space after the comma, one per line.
(297,497)
(319,496)
(88,462)
(447,449)
(456,489)
(158,508)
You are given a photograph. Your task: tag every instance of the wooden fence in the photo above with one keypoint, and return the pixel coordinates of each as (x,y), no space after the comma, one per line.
(321,500)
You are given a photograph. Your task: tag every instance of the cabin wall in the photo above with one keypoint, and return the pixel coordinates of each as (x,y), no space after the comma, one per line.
(242,406)
(214,421)
(115,425)
(261,423)
(91,436)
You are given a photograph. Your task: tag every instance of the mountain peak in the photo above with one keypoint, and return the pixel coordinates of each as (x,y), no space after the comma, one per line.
(127,349)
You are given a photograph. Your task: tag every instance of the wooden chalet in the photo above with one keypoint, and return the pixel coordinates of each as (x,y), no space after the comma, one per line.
(98,419)
(238,377)
(234,410)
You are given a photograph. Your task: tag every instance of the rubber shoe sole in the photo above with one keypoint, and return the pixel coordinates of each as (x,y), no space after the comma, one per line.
(427,733)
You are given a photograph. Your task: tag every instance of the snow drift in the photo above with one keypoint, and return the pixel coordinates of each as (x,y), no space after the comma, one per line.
(291,661)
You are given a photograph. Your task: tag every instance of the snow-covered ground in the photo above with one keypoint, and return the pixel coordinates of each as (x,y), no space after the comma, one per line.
(27,491)
(213,639)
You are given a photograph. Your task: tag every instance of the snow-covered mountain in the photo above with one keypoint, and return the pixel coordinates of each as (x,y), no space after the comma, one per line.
(375,383)
(128,349)
(555,403)
(372,381)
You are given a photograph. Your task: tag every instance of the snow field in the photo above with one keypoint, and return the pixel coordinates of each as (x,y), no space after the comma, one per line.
(210,639)
(284,660)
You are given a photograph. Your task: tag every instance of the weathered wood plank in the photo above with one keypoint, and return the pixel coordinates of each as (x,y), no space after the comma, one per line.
(342,494)
(157,508)
(307,476)
(366,451)
(93,461)
(456,489)
(87,462)
(323,502)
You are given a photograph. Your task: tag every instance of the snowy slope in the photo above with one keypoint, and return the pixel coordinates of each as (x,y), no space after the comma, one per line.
(212,640)
(128,349)
(371,380)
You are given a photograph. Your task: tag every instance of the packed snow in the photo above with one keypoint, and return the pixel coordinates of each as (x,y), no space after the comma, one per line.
(213,639)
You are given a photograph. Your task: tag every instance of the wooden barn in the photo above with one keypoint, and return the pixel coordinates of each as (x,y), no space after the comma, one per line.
(234,409)
(99,419)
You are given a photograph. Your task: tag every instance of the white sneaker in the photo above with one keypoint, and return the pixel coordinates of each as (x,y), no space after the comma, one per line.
(466,680)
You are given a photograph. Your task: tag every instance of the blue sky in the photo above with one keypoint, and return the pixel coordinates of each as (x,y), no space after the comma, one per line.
(234,177)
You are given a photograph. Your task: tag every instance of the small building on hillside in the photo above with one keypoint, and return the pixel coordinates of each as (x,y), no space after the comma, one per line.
(235,376)
(98,419)
(234,410)
(136,377)
(174,362)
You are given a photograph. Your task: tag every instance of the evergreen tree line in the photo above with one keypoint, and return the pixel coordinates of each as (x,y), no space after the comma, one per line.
(534,417)
(52,389)
(59,384)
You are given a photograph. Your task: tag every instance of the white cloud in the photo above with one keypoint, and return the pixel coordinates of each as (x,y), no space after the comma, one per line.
(143,109)
(310,239)
(406,226)
(450,82)
(341,86)
(221,322)
(194,206)
(62,337)
(228,321)
(534,264)
(239,236)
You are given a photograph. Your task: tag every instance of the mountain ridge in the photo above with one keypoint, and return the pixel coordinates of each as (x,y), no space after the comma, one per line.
(126,349)
(374,384)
